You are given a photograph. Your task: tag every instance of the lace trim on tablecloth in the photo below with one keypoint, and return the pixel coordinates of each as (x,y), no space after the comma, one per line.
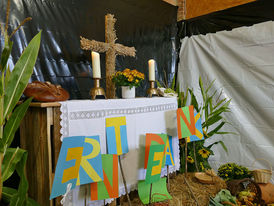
(128,111)
(64,120)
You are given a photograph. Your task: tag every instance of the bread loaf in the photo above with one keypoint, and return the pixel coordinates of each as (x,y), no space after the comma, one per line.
(46,92)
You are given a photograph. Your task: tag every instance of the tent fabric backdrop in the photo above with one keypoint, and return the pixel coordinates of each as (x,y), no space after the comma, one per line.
(241,63)
(149,26)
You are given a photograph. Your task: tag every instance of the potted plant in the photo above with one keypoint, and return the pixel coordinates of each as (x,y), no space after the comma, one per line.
(12,85)
(128,80)
(211,109)
(232,171)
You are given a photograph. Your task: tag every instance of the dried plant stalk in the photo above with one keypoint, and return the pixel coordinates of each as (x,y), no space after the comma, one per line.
(124,50)
(2,29)
(110,32)
(7,16)
(93,45)
(21,24)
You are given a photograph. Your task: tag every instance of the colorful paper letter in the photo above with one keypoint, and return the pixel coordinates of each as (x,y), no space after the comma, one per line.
(169,152)
(199,131)
(158,138)
(116,130)
(91,162)
(109,187)
(79,163)
(185,122)
(159,191)
(155,161)
(68,165)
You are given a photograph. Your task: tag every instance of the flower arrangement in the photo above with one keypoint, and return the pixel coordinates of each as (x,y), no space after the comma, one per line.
(230,171)
(128,77)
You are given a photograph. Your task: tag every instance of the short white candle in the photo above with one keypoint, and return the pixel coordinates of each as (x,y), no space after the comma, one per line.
(96,69)
(151,68)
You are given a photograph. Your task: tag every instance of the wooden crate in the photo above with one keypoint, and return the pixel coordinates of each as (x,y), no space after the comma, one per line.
(40,136)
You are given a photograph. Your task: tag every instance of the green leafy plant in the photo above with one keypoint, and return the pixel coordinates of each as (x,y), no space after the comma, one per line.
(231,171)
(211,110)
(12,85)
(165,84)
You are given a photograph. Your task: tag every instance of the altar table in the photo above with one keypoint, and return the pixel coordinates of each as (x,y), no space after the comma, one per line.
(87,118)
(143,115)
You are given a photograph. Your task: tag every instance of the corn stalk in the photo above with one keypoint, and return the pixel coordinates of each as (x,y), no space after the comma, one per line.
(12,85)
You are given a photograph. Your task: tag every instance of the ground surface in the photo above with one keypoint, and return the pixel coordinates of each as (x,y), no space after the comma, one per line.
(181,193)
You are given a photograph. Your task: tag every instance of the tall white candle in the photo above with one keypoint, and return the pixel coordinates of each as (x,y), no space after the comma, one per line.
(151,68)
(96,69)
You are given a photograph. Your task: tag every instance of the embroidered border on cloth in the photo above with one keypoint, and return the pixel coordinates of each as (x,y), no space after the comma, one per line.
(109,112)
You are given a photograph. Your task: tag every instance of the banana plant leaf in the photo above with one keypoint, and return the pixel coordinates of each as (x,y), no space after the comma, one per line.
(20,75)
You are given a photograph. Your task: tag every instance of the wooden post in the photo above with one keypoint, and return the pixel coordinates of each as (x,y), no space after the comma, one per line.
(185,156)
(195,159)
(86,194)
(35,139)
(42,141)
(168,184)
(150,194)
(124,180)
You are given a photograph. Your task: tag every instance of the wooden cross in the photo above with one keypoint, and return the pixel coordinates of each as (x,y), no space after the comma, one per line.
(111,48)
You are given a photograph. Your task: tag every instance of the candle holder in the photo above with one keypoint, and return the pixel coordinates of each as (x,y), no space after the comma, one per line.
(97,90)
(152,91)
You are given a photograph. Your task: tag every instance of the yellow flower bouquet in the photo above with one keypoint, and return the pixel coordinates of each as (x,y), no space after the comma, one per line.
(128,77)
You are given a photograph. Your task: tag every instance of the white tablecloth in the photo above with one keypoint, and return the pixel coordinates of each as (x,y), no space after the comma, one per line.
(143,115)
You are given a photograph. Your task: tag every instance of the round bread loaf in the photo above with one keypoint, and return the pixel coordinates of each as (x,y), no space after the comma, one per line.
(46,92)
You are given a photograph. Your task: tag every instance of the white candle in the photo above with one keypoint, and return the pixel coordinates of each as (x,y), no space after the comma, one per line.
(96,70)
(151,68)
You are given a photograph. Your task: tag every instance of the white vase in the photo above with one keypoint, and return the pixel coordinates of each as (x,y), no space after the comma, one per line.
(127,92)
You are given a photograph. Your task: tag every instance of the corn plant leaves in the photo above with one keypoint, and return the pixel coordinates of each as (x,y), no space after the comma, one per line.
(2,146)
(158,84)
(13,122)
(223,108)
(219,142)
(173,83)
(20,198)
(8,193)
(202,88)
(3,63)
(21,74)
(212,132)
(31,202)
(7,75)
(211,121)
(11,158)
(209,87)
(194,101)
(5,55)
